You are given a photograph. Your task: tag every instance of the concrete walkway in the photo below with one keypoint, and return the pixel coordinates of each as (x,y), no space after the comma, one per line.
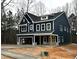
(17,56)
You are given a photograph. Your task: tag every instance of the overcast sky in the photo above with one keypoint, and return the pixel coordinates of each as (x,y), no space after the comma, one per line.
(50,4)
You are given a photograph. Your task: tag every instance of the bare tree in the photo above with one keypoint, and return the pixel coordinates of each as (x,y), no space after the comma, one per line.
(39,8)
(75,6)
(2,3)
(25,4)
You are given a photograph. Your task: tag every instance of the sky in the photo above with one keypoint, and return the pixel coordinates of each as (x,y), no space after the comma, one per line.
(50,4)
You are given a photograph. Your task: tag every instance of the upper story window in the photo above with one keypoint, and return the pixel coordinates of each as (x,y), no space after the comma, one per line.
(38,27)
(31,27)
(43,27)
(23,28)
(60,27)
(23,20)
(72,23)
(67,30)
(48,26)
(44,17)
(64,28)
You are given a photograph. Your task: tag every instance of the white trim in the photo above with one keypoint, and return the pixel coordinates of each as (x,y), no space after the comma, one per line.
(47,27)
(33,40)
(44,21)
(26,19)
(38,34)
(43,24)
(19,28)
(22,24)
(28,27)
(30,17)
(50,19)
(33,27)
(53,25)
(22,19)
(36,27)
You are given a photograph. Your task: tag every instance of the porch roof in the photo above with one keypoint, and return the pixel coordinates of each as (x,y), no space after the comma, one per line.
(37,34)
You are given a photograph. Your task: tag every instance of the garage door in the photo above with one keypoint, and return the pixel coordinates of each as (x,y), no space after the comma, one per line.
(27,41)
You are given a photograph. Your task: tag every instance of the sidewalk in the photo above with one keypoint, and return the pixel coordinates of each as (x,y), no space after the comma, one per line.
(16,56)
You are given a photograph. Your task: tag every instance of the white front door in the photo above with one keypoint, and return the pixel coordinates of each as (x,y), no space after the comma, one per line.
(44,40)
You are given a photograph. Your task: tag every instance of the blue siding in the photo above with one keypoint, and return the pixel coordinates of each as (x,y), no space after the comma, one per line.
(30,31)
(45,27)
(62,20)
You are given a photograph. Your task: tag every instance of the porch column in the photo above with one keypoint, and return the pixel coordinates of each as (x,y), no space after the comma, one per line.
(33,40)
(18,41)
(50,40)
(40,39)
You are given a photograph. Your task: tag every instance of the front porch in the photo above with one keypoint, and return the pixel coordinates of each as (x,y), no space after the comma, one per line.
(38,40)
(45,40)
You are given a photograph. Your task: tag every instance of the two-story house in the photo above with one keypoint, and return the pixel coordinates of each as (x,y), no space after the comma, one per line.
(44,30)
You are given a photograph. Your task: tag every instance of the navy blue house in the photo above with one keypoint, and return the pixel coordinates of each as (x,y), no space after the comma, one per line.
(44,30)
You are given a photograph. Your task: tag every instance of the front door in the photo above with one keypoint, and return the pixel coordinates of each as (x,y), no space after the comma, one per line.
(54,40)
(44,40)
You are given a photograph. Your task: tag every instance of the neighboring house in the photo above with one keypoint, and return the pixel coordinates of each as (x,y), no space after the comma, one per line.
(73,27)
(44,30)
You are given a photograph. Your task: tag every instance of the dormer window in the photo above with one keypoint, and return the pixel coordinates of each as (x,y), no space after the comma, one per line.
(44,17)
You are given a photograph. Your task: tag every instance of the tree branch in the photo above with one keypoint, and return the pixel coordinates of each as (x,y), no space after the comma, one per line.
(6,4)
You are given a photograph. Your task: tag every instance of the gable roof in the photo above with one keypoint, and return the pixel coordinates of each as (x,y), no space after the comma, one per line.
(33,18)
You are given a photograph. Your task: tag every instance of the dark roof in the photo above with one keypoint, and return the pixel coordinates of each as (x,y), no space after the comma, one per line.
(34,17)
(38,18)
(72,15)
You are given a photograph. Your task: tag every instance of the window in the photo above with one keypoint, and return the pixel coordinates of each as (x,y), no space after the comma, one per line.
(31,27)
(42,27)
(61,27)
(64,28)
(61,38)
(38,27)
(44,17)
(23,28)
(67,29)
(23,20)
(48,26)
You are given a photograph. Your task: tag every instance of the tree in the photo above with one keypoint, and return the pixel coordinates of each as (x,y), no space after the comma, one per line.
(25,4)
(39,8)
(74,3)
